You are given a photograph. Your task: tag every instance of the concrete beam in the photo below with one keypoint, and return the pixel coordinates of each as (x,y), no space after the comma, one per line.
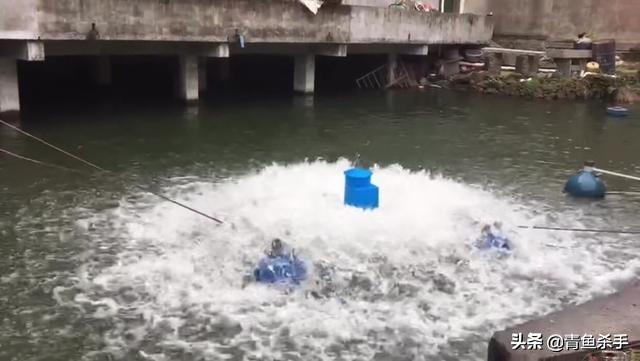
(402,49)
(413,50)
(512,51)
(339,50)
(569,53)
(32,51)
(23,50)
(214,51)
(70,47)
(9,91)
(304,73)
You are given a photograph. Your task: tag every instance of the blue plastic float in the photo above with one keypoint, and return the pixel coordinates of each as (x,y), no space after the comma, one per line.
(281,270)
(617,111)
(359,192)
(493,239)
(586,183)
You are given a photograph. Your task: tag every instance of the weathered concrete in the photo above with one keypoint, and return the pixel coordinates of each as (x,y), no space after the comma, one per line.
(9,91)
(435,4)
(284,21)
(479,7)
(375,25)
(19,19)
(119,47)
(450,65)
(210,28)
(304,73)
(562,19)
(392,64)
(188,78)
(339,50)
(615,314)
(388,48)
(527,65)
(23,50)
(569,53)
(563,67)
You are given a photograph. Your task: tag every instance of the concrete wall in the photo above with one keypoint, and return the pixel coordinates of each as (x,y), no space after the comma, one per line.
(374,25)
(480,7)
(520,17)
(616,19)
(277,21)
(385,3)
(18,19)
(191,20)
(563,19)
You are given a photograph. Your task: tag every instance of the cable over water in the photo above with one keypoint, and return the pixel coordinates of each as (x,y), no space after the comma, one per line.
(38,162)
(616,174)
(97,168)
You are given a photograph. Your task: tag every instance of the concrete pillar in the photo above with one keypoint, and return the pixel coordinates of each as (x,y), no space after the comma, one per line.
(522,65)
(188,78)
(102,71)
(527,65)
(563,67)
(392,64)
(450,65)
(9,91)
(202,74)
(493,63)
(534,64)
(304,73)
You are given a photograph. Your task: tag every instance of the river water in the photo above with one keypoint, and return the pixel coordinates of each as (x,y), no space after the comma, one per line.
(92,268)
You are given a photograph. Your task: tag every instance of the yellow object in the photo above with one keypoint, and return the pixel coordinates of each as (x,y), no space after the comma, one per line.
(592,66)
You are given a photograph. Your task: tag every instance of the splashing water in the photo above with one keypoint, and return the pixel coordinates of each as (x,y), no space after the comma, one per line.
(403,282)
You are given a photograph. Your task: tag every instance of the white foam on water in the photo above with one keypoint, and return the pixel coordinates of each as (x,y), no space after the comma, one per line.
(402,280)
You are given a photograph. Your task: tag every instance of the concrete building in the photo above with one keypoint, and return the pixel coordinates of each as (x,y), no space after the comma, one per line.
(549,20)
(196,30)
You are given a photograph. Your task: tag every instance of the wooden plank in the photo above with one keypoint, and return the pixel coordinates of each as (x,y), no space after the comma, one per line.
(512,51)
(569,54)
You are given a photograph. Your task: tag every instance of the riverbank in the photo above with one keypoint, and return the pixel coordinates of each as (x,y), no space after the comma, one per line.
(624,88)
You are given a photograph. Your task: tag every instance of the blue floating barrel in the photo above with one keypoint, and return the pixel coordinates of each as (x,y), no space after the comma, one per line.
(586,183)
(359,192)
(617,111)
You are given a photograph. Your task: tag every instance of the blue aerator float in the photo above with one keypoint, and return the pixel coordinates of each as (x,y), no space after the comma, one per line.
(492,239)
(286,270)
(358,191)
(586,183)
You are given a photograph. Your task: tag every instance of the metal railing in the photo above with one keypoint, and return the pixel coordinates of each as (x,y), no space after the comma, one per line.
(379,78)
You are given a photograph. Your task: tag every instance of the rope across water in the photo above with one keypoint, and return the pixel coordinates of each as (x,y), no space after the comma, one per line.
(93,166)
